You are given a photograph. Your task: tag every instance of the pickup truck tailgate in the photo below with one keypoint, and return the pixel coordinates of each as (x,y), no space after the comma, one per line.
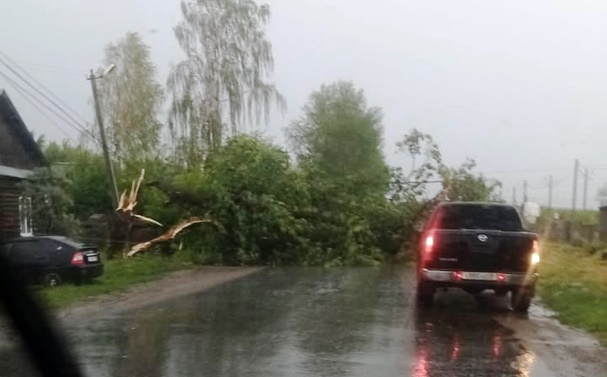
(480,250)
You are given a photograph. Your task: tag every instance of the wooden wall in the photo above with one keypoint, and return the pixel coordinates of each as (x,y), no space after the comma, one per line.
(9,207)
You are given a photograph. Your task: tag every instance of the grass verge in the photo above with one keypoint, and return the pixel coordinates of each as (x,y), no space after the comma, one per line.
(574,283)
(119,275)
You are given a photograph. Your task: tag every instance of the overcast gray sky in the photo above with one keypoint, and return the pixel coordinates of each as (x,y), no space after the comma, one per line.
(520,86)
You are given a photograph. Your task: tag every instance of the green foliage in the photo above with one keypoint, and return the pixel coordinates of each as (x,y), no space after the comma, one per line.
(426,162)
(596,247)
(574,284)
(338,146)
(84,172)
(253,195)
(465,185)
(152,202)
(339,205)
(269,213)
(339,137)
(586,217)
(50,203)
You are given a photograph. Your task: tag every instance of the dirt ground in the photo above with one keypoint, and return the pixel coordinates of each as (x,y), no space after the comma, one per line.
(176,284)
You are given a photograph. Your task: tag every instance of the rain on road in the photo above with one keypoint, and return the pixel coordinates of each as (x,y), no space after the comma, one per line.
(315,322)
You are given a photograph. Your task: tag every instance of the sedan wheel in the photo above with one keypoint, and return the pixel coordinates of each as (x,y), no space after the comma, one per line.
(52,280)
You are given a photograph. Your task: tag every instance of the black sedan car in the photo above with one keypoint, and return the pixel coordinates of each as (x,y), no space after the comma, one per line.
(50,260)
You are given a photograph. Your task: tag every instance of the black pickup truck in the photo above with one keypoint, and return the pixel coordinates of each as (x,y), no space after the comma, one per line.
(475,247)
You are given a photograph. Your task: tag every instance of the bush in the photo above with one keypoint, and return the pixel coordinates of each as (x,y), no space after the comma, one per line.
(578,241)
(596,247)
(248,188)
(269,213)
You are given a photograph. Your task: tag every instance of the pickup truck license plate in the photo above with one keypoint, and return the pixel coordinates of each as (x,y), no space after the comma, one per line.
(479,276)
(93,259)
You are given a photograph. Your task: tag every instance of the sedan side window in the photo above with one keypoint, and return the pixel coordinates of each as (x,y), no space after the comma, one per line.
(5,249)
(51,246)
(28,252)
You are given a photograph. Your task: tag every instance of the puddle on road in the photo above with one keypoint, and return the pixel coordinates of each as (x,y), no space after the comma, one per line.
(459,337)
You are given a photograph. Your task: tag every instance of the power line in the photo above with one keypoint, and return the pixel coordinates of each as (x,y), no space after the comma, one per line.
(17,86)
(47,90)
(71,121)
(71,70)
(28,83)
(53,71)
(538,170)
(31,102)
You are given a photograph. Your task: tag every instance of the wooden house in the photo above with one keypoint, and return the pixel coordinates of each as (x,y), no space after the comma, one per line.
(19,156)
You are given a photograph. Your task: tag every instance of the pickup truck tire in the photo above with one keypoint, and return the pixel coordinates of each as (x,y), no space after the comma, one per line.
(424,294)
(521,300)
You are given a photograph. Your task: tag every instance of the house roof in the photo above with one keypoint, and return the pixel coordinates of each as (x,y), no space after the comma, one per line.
(7,171)
(13,119)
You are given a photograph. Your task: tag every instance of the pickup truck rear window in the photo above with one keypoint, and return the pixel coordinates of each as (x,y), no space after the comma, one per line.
(487,217)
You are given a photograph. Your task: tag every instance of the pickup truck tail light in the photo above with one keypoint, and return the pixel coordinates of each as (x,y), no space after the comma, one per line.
(77,259)
(535,253)
(429,243)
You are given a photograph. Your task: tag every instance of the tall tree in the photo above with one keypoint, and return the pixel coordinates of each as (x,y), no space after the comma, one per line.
(425,164)
(131,98)
(341,136)
(223,80)
(464,184)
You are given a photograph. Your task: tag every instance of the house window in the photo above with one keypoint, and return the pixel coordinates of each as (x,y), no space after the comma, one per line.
(25,216)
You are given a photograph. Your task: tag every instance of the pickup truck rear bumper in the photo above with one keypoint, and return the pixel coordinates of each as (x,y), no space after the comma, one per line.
(448,278)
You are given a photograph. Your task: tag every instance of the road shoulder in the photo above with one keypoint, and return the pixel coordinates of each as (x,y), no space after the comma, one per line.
(566,351)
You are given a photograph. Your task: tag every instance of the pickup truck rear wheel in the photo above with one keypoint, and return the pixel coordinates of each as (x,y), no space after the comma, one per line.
(424,294)
(521,300)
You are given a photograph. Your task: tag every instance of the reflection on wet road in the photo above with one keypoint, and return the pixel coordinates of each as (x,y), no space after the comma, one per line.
(302,322)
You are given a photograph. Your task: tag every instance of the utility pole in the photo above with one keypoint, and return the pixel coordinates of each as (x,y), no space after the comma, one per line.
(525,186)
(106,154)
(550,191)
(585,195)
(576,168)
(514,196)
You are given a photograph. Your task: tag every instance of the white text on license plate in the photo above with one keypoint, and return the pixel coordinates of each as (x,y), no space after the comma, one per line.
(93,259)
(479,275)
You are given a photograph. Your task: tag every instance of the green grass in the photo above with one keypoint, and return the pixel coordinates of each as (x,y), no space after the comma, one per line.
(119,275)
(574,283)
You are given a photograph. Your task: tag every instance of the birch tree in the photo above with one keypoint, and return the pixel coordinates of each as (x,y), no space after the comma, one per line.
(223,81)
(131,99)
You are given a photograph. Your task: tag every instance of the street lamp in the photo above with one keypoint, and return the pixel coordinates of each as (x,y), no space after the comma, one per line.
(108,69)
(108,162)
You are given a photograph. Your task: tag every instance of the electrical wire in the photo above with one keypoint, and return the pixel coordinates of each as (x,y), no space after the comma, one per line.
(63,69)
(28,83)
(71,121)
(47,90)
(25,96)
(17,86)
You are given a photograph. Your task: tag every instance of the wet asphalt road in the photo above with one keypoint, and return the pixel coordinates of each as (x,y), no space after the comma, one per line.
(302,322)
